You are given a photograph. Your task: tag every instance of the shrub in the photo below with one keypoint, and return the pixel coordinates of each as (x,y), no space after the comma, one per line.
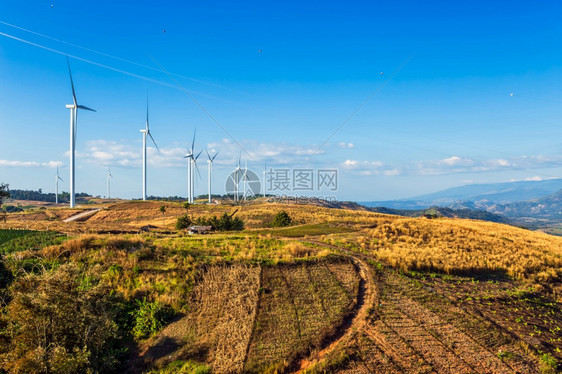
(183,367)
(548,364)
(224,223)
(281,219)
(57,322)
(149,317)
(183,222)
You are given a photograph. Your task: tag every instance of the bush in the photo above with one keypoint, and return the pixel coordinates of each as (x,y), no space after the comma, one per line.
(548,364)
(281,219)
(59,321)
(183,222)
(13,209)
(183,367)
(224,223)
(150,317)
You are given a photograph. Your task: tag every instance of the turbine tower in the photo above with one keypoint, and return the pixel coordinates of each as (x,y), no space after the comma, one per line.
(193,168)
(245,179)
(145,132)
(109,176)
(57,186)
(237,180)
(73,126)
(210,161)
(190,156)
(264,178)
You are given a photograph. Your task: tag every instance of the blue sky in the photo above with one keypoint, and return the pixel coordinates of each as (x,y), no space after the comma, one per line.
(477,99)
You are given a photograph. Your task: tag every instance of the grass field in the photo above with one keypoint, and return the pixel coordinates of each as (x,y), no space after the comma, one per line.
(448,295)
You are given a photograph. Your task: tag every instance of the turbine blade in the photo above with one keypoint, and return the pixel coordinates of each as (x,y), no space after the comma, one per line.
(71,81)
(60,179)
(199,154)
(85,108)
(208,155)
(197,169)
(193,142)
(147,112)
(213,159)
(149,134)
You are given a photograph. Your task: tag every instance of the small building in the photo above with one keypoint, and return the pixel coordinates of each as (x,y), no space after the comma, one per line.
(199,229)
(147,228)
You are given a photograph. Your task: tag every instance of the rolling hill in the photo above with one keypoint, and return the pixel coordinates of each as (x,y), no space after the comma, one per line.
(338,291)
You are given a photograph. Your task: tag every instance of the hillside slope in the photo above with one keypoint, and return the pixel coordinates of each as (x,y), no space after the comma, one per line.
(337,291)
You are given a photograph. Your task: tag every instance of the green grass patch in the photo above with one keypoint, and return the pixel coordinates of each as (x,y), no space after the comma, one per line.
(21,240)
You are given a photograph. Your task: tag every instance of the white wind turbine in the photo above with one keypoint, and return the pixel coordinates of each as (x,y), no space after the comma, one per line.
(210,161)
(57,178)
(190,161)
(193,168)
(188,155)
(73,126)
(264,178)
(109,176)
(237,180)
(245,178)
(145,132)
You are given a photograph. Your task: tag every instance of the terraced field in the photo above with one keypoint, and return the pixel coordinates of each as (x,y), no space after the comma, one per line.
(259,318)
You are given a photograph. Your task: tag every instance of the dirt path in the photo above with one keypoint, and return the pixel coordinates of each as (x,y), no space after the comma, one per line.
(365,299)
(394,333)
(82,215)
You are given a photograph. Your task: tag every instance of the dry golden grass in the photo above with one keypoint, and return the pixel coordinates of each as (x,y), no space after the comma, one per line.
(461,246)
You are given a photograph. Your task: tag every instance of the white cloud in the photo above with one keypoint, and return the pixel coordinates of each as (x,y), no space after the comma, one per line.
(455,164)
(29,164)
(346,145)
(536,178)
(370,167)
(455,160)
(392,172)
(112,153)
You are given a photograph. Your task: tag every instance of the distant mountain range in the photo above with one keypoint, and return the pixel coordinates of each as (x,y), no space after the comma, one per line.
(480,194)
(435,212)
(533,204)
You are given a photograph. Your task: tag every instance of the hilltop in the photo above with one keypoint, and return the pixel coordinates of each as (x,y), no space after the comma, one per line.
(339,290)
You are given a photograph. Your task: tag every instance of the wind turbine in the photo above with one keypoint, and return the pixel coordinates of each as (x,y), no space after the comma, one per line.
(145,132)
(264,178)
(190,156)
(57,178)
(73,126)
(237,180)
(194,167)
(210,161)
(109,176)
(245,179)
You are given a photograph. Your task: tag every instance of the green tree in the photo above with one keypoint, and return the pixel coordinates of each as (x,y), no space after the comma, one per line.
(281,219)
(224,223)
(186,206)
(4,194)
(163,210)
(183,222)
